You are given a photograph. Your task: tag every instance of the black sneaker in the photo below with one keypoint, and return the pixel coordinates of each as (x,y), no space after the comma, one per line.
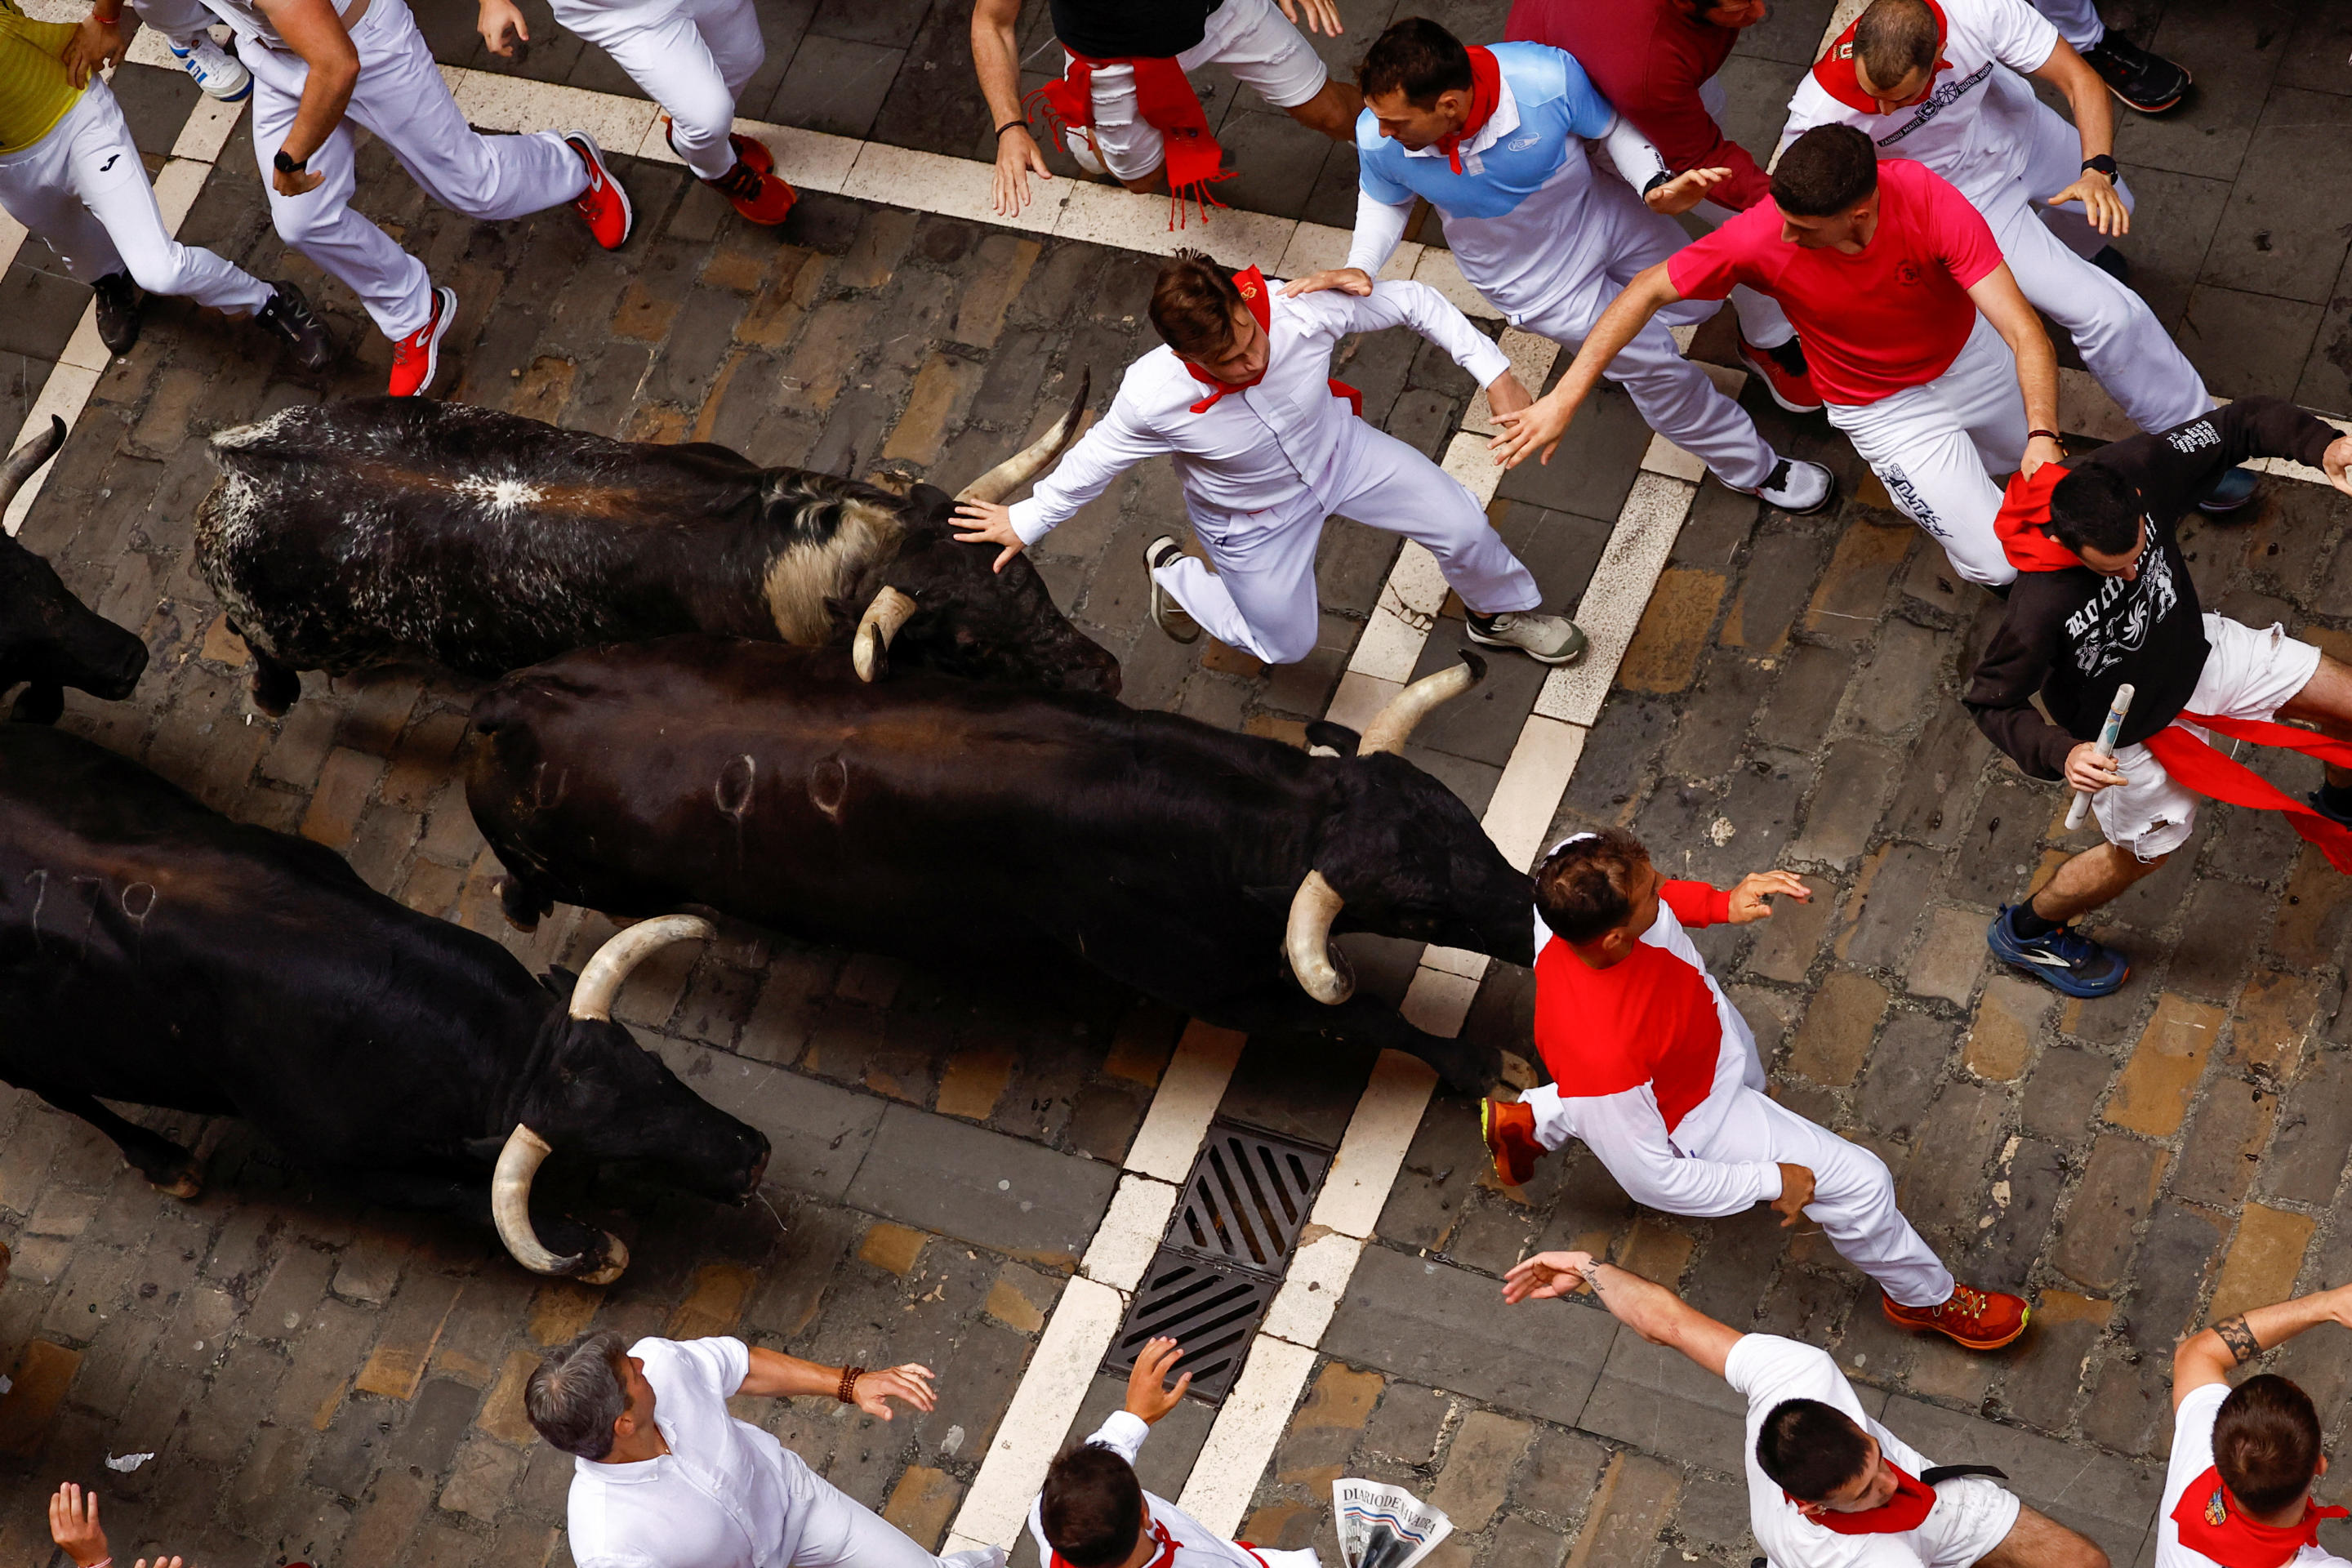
(118,311)
(2149,83)
(290,316)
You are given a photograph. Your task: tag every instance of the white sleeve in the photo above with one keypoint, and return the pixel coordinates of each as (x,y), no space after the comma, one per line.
(1380,229)
(1122,1433)
(1628,1133)
(1117,442)
(2015,34)
(1631,151)
(721,1362)
(1428,312)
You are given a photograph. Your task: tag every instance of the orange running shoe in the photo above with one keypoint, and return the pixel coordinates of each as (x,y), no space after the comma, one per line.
(1973,1319)
(417,356)
(1509,1129)
(604,205)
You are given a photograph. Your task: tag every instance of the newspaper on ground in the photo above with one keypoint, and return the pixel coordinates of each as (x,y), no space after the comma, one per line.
(1383,1526)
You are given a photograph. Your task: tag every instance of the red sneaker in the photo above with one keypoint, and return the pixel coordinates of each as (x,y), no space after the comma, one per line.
(761,197)
(415,357)
(604,205)
(1509,1129)
(751,153)
(1973,1319)
(1784,372)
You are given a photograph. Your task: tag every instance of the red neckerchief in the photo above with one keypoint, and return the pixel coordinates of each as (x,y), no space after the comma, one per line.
(1168,104)
(1835,71)
(1486,91)
(2024,510)
(2211,1524)
(1252,284)
(1905,1510)
(1159,1532)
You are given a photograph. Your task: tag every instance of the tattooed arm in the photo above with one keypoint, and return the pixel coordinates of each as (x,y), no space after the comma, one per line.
(2206,1358)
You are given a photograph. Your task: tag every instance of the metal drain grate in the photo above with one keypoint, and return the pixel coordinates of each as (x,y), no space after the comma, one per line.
(1210,1310)
(1247,1198)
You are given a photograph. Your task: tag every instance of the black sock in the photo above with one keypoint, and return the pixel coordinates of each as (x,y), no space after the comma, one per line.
(1484,623)
(2337,798)
(2029,925)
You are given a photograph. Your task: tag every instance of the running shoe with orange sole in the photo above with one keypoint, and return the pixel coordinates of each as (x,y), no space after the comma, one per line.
(1972,1318)
(1509,1129)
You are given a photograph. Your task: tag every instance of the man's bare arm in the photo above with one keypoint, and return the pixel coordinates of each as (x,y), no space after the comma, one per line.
(2094,119)
(1644,1306)
(2205,1358)
(781,1376)
(314,30)
(1540,426)
(996,58)
(2003,303)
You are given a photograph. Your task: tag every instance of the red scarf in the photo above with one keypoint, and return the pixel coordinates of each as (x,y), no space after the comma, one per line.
(1159,1532)
(1252,284)
(1486,91)
(1168,104)
(1905,1510)
(1835,71)
(2212,1525)
(2024,509)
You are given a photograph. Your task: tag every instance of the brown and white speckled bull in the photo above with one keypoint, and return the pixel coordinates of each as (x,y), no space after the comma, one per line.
(384,530)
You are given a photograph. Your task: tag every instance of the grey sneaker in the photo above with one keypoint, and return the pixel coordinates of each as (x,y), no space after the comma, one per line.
(1797,487)
(1547,639)
(979,1557)
(1173,618)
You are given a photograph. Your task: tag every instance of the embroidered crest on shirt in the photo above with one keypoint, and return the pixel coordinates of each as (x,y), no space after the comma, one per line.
(1946,95)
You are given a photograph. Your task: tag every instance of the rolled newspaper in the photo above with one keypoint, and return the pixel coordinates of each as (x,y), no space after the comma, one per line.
(2108,733)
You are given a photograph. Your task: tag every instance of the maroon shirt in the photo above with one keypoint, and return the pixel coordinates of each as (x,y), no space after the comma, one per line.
(1648,59)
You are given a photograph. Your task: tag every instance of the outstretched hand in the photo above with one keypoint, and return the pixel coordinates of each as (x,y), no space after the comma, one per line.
(1321,15)
(1347,280)
(910,1383)
(985,522)
(1751,899)
(2338,461)
(1683,191)
(1546,1275)
(1536,428)
(73,1525)
(1149,1394)
(2100,204)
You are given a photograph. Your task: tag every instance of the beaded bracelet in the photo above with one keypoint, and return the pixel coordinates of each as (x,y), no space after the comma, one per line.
(847,1392)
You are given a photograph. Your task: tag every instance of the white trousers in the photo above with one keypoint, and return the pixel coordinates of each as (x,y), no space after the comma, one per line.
(824,1527)
(84,191)
(1261,595)
(1249,39)
(401,98)
(1854,1192)
(1935,448)
(1761,320)
(1675,396)
(693,61)
(2119,338)
(178,20)
(2077,22)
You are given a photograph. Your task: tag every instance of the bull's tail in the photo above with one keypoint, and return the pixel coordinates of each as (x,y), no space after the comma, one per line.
(1036,457)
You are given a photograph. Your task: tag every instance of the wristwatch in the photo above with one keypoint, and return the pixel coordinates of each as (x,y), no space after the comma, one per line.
(286,165)
(2105,164)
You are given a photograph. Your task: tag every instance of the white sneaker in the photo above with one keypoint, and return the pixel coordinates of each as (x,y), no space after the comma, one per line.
(1170,616)
(979,1557)
(1797,487)
(218,73)
(1081,143)
(1547,639)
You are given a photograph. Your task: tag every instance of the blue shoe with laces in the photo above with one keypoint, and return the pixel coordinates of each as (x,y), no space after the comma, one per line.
(2232,490)
(2064,959)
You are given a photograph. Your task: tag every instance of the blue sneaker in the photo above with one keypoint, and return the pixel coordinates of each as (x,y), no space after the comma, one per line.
(2065,960)
(2235,489)
(216,72)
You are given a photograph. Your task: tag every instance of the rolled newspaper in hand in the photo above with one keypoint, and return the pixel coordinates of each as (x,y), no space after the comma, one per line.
(2108,733)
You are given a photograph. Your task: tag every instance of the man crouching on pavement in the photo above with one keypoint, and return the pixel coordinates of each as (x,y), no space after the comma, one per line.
(1655,1070)
(1820,1472)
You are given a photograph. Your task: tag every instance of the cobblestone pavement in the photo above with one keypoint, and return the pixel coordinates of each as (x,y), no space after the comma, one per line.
(322,1382)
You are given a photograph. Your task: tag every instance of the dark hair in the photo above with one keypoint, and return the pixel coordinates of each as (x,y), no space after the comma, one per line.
(1894,38)
(2266,1443)
(1824,171)
(1092,1508)
(1417,56)
(1810,1450)
(576,1393)
(1586,886)
(2095,507)
(1192,304)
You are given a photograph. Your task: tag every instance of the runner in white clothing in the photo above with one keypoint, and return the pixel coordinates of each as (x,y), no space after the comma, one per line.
(1268,448)
(663,1476)
(1094,1513)
(1827,1486)
(1945,84)
(2237,1490)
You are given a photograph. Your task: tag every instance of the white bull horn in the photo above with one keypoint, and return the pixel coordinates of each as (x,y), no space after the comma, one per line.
(1031,460)
(623,950)
(1393,724)
(870,652)
(1307,939)
(26,459)
(519,1162)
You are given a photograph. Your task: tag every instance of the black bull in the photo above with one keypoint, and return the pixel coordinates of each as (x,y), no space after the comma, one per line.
(398,530)
(958,822)
(49,639)
(153,951)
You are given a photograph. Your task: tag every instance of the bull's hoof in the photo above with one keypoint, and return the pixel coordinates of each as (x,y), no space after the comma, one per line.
(616,1263)
(272,688)
(522,905)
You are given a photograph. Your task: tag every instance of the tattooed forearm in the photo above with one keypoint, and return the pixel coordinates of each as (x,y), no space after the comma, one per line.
(2234,1334)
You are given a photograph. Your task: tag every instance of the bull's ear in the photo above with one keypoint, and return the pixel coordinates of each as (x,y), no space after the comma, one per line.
(560,981)
(1337,740)
(930,501)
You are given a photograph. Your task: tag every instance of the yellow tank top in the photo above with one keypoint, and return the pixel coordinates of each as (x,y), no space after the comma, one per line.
(35,91)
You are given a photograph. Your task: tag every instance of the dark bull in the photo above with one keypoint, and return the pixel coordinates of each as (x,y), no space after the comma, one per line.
(49,639)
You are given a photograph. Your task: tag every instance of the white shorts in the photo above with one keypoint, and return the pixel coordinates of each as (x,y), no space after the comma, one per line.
(1971,1517)
(2248,674)
(1250,38)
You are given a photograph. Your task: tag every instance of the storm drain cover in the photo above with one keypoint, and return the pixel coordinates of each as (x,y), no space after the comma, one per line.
(1245,1202)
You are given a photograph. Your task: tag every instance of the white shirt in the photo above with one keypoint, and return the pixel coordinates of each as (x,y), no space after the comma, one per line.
(719,1499)
(2192,1456)
(1272,444)
(1196,1546)
(1975,127)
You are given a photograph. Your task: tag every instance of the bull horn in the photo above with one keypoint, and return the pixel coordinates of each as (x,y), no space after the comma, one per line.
(519,1162)
(883,618)
(601,981)
(26,459)
(1394,725)
(1031,460)
(1323,973)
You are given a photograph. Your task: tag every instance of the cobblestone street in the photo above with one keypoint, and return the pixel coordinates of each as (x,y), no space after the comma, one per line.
(321,1381)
